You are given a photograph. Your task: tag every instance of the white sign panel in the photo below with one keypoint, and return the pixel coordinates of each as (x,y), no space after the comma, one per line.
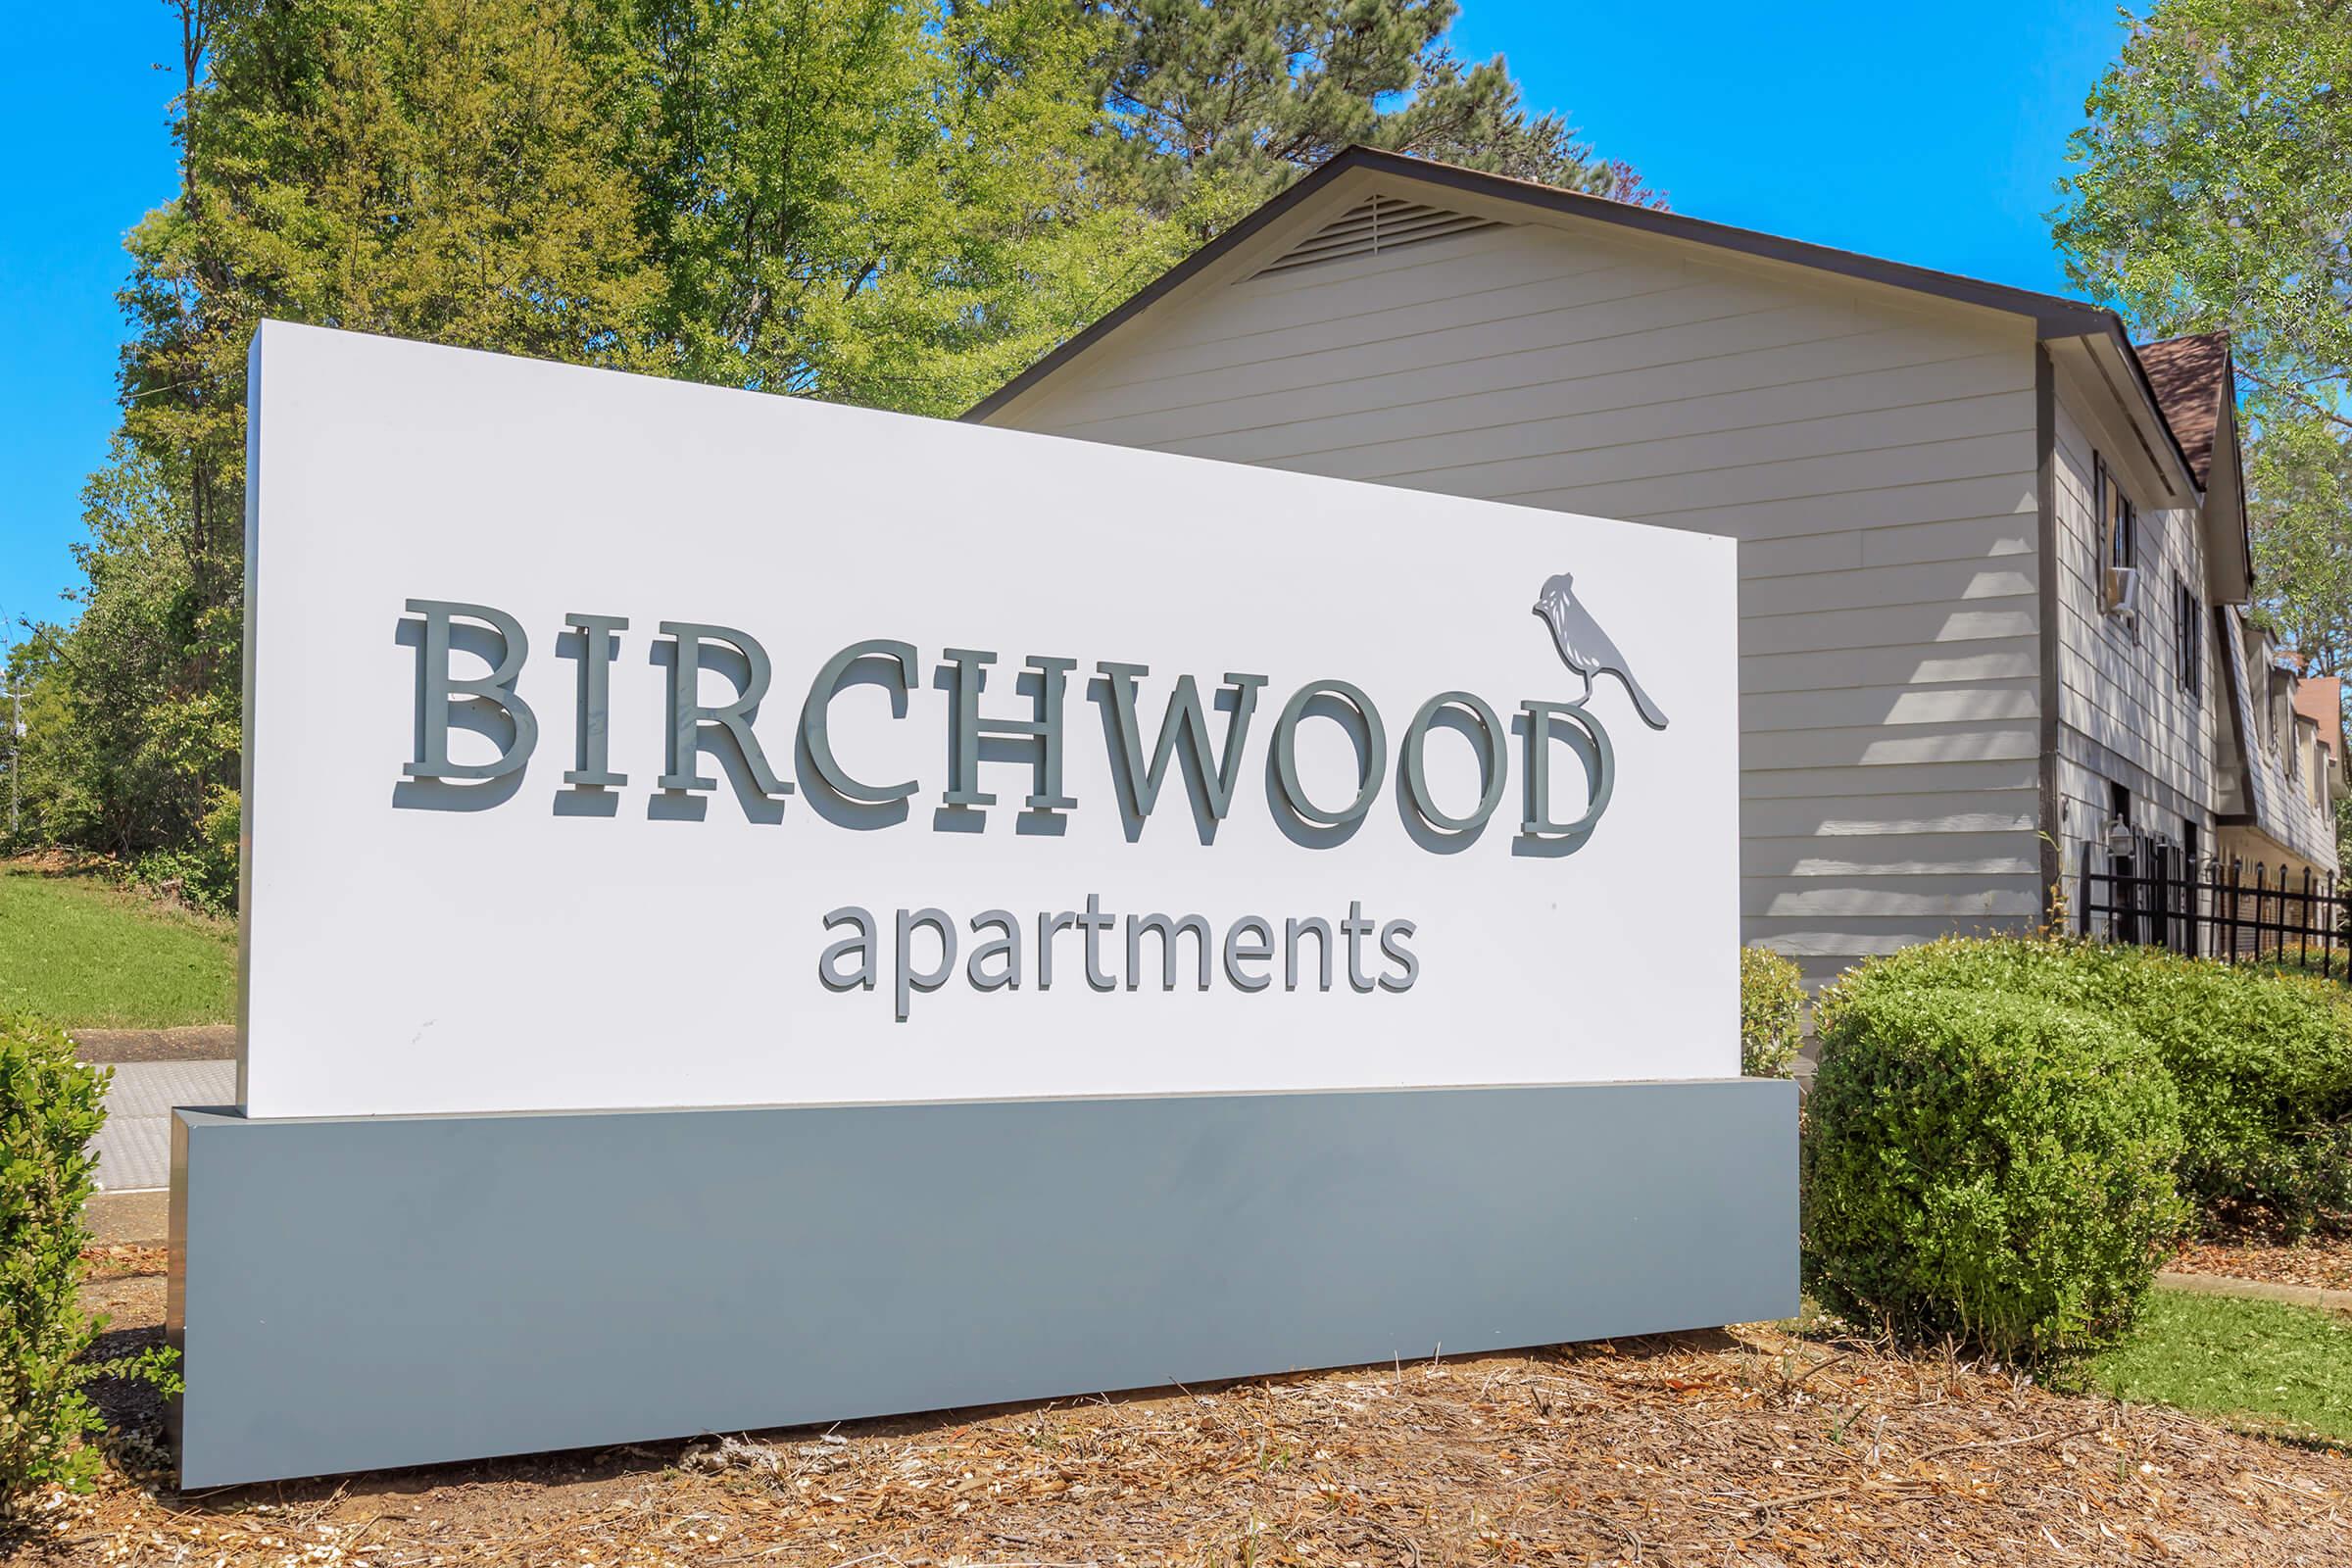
(620,743)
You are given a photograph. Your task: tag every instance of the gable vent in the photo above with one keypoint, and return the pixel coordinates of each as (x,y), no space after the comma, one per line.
(1383,223)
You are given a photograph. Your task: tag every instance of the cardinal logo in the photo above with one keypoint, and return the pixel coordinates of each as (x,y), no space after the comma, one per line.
(1586,649)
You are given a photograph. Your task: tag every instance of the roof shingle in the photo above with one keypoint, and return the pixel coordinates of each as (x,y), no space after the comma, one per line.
(2189,375)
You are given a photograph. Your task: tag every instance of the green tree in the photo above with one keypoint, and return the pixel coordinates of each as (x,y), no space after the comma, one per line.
(1216,106)
(130,729)
(2212,191)
(435,169)
(877,200)
(890,202)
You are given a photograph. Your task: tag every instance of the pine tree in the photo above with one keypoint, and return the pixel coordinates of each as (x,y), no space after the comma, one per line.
(1217,104)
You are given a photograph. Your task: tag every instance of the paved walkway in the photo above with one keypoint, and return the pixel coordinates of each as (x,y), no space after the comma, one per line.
(134,1147)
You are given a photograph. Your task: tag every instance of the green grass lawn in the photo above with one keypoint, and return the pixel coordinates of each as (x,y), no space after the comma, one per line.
(2282,1370)
(82,952)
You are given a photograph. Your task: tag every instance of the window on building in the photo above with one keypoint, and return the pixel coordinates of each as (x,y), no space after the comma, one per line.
(2118,531)
(2188,636)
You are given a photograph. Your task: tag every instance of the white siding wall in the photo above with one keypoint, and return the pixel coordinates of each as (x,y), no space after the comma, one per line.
(2123,716)
(1875,453)
(2293,822)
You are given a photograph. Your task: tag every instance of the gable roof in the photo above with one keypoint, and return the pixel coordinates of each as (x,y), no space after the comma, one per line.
(2190,376)
(2054,315)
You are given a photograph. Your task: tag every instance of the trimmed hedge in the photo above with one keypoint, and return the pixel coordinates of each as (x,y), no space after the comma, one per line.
(1772,1011)
(1985,1165)
(2262,1061)
(50,1107)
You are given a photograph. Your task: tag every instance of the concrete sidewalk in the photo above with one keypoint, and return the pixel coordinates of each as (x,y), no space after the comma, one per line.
(134,1147)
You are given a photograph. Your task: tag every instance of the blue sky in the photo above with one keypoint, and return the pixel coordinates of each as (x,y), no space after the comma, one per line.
(1928,135)
(82,117)
(1924,134)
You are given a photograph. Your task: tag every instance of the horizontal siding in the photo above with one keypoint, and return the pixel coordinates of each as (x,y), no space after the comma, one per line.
(1956,898)
(1815,817)
(1617,410)
(1878,745)
(1545,308)
(1638,304)
(2123,716)
(1590,458)
(1928,584)
(1991,853)
(1372,287)
(1545,371)
(1892,707)
(1809,475)
(1852,549)
(1865,511)
(1891,780)
(1895,627)
(1875,460)
(1976,659)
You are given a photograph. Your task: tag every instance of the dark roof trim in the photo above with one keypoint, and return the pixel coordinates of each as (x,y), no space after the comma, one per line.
(2237,466)
(2054,314)
(2171,440)
(2147,391)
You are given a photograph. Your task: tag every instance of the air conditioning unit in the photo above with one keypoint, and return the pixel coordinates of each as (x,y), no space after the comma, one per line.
(2123,590)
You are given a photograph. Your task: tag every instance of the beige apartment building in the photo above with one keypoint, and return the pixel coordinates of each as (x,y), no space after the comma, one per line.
(1994,555)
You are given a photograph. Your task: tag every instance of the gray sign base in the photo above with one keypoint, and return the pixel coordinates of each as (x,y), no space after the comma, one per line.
(366,1292)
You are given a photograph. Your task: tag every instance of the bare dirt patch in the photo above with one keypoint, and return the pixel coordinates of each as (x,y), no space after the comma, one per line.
(197,1042)
(1749,1447)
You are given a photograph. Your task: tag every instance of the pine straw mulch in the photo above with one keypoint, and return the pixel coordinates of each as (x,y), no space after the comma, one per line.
(117,1260)
(1750,1447)
(2322,1261)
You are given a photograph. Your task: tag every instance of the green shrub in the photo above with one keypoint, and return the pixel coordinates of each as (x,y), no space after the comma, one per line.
(1987,1166)
(50,1107)
(1772,1011)
(2262,1061)
(2264,1065)
(202,873)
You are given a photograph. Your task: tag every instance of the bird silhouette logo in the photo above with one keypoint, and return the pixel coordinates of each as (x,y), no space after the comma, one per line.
(1586,649)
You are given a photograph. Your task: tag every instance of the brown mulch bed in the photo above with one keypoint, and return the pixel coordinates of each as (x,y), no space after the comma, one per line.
(1750,1447)
(124,1260)
(2324,1263)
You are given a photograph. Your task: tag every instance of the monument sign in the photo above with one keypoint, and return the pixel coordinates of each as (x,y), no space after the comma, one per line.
(759,911)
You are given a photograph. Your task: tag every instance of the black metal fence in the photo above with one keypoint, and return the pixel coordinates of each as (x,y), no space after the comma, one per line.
(2157,896)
